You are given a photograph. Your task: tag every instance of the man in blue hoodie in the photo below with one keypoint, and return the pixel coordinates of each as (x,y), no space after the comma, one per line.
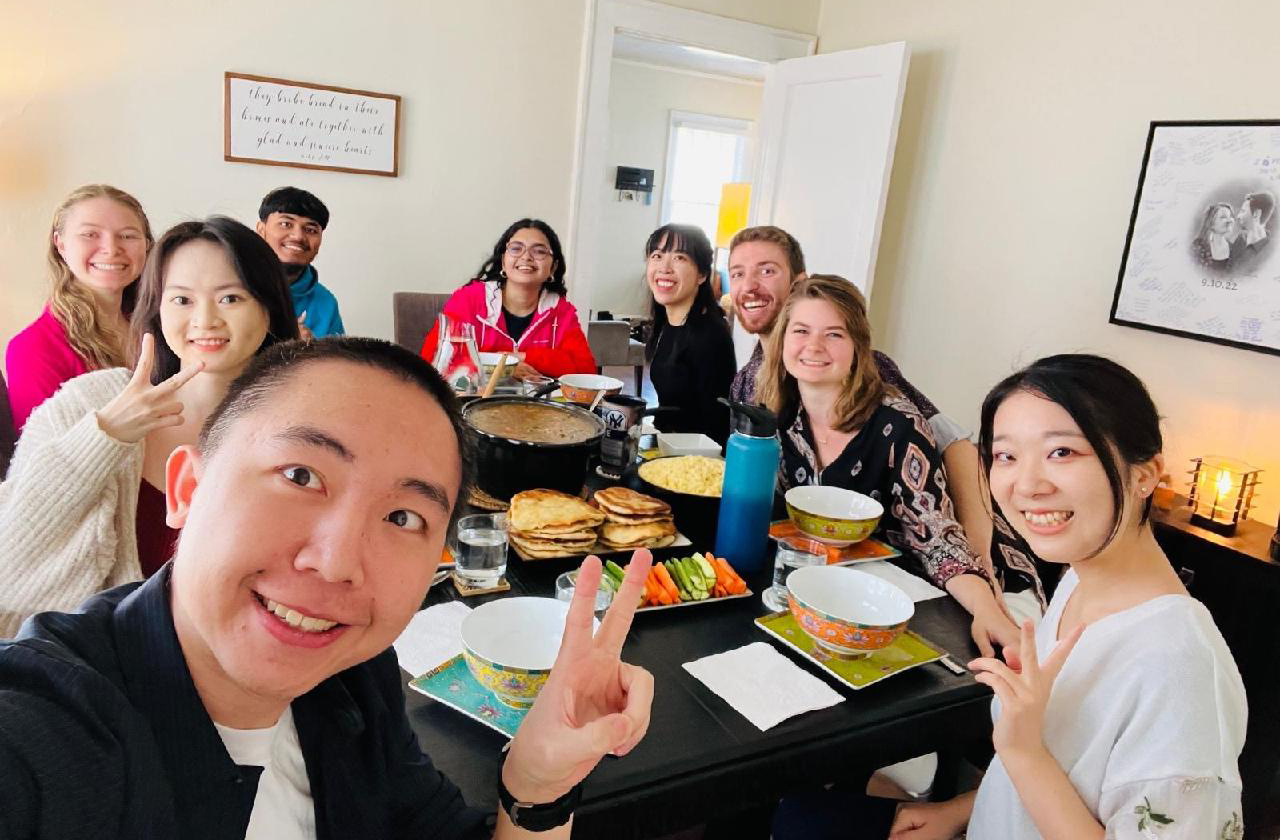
(292,221)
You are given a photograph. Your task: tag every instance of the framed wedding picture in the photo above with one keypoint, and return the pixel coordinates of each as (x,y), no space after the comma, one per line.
(1200,260)
(279,122)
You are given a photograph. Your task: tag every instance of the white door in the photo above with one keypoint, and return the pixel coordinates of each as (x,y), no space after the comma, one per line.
(828,126)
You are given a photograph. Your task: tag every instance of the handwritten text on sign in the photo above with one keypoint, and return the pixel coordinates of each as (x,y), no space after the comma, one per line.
(279,122)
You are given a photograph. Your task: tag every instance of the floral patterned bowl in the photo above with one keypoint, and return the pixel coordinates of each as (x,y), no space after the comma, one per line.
(581,388)
(846,611)
(510,645)
(834,515)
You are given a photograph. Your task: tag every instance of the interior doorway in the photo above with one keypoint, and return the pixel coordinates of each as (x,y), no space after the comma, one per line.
(673,91)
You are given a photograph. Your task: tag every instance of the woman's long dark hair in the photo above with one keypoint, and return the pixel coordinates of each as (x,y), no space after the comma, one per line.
(692,242)
(255,264)
(492,268)
(1110,405)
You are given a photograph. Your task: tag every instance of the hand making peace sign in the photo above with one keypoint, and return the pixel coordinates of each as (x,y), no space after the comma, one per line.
(142,407)
(1023,693)
(593,703)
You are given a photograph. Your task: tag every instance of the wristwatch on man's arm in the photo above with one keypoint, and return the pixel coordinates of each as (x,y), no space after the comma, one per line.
(532,816)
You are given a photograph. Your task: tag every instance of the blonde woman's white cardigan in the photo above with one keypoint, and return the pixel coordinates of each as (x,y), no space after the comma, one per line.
(69,505)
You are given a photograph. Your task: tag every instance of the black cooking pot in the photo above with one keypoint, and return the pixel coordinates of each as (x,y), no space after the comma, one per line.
(695,516)
(505,466)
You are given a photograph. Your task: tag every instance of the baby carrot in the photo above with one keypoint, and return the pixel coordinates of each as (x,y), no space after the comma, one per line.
(668,585)
(736,584)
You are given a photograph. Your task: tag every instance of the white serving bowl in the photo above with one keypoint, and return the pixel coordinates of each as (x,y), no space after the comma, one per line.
(833,514)
(510,645)
(687,443)
(847,611)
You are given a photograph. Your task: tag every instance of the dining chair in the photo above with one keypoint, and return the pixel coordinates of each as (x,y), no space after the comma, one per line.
(612,345)
(8,431)
(414,314)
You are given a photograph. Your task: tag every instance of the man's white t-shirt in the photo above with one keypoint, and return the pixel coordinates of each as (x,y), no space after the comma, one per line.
(283,808)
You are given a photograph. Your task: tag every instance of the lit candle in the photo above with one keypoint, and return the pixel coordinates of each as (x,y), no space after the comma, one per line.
(1221,488)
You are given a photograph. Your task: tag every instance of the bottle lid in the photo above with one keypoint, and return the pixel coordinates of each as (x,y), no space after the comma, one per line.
(752,420)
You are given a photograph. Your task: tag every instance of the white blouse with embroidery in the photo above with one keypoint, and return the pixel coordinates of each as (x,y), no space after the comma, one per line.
(1147,718)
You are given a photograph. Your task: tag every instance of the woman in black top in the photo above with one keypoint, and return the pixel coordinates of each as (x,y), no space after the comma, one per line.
(690,351)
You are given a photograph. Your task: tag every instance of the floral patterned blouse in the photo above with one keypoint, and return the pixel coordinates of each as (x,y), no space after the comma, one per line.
(1147,717)
(893,460)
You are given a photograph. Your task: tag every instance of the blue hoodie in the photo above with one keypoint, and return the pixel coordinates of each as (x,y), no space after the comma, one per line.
(318,302)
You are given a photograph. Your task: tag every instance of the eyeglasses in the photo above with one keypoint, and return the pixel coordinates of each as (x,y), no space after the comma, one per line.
(537,252)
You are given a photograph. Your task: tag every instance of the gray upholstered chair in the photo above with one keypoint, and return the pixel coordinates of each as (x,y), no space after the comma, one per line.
(8,432)
(612,345)
(414,314)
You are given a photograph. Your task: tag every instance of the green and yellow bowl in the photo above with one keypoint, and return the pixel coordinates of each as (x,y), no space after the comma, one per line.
(510,645)
(833,515)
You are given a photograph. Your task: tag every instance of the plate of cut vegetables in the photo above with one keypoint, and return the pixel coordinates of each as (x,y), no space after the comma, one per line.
(683,582)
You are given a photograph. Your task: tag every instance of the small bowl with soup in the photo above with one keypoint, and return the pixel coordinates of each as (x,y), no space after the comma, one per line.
(519,444)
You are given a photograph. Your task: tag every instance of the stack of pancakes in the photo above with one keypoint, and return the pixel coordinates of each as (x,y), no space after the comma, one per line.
(634,520)
(548,523)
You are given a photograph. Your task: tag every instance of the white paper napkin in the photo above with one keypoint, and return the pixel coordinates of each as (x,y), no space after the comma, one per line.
(433,637)
(917,588)
(762,684)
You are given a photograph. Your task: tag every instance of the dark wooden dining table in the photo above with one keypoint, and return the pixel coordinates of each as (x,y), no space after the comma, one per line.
(701,760)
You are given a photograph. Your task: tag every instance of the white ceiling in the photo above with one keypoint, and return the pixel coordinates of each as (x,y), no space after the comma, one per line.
(683,56)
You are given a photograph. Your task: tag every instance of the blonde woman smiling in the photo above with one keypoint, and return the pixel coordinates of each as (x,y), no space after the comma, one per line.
(97,247)
(840,425)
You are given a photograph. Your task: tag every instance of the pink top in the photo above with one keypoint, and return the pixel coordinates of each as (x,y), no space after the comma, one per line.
(38,360)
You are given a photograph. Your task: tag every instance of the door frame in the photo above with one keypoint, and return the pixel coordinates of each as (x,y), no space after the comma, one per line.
(589,179)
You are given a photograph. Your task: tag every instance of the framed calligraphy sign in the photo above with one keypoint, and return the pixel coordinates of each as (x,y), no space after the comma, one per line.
(285,123)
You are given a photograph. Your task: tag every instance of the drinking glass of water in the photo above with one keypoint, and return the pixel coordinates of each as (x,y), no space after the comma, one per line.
(786,560)
(567,583)
(481,548)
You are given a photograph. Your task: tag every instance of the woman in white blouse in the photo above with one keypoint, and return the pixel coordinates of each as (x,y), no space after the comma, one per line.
(1123,714)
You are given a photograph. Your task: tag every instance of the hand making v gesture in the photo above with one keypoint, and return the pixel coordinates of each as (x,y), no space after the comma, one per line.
(142,407)
(593,703)
(1024,692)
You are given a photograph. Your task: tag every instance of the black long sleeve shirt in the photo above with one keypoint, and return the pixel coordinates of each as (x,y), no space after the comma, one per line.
(102,734)
(692,366)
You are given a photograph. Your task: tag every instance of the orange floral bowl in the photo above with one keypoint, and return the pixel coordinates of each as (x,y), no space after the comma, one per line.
(834,515)
(581,388)
(847,612)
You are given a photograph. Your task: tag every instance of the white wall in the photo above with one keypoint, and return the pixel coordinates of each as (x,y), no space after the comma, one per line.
(131,93)
(795,15)
(641,98)
(1022,134)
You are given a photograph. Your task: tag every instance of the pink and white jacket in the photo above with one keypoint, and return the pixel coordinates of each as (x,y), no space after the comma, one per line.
(553,343)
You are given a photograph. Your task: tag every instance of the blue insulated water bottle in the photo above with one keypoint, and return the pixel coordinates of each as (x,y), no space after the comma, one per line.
(751,460)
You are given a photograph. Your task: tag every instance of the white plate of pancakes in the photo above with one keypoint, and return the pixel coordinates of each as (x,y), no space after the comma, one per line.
(544,524)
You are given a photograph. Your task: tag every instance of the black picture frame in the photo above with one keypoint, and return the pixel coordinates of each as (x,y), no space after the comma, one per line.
(1171,280)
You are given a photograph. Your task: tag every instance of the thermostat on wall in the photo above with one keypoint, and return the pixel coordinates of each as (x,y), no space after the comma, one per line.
(634,178)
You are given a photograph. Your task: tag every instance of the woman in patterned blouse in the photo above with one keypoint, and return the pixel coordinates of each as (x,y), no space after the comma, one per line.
(842,426)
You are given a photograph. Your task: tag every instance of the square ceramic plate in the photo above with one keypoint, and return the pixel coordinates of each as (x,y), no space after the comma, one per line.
(846,555)
(907,651)
(453,685)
